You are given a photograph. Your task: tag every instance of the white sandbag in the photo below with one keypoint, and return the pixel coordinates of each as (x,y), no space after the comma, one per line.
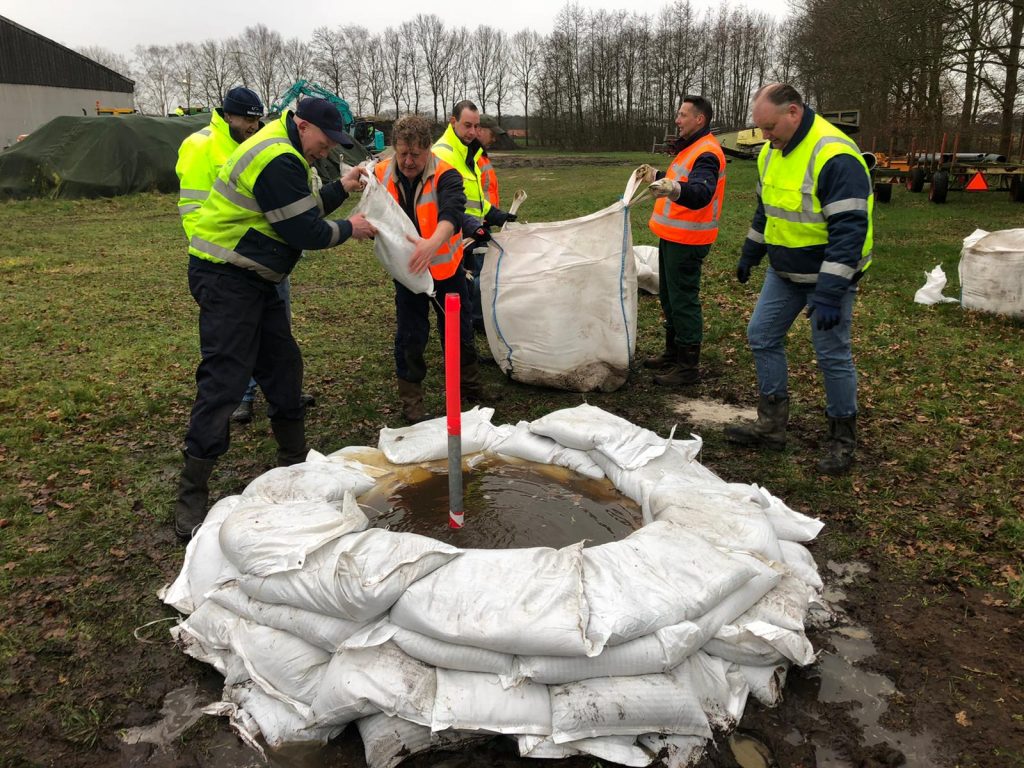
(206,634)
(527,601)
(381,678)
(723,515)
(621,706)
(789,524)
(358,577)
(720,685)
(254,713)
(621,750)
(312,480)
(284,666)
(263,538)
(992,272)
(560,300)
(475,701)
(387,740)
(325,632)
(801,562)
(770,631)
(428,440)
(657,576)
(766,683)
(451,656)
(647,278)
(522,443)
(674,750)
(205,565)
(636,484)
(587,427)
(931,291)
(391,244)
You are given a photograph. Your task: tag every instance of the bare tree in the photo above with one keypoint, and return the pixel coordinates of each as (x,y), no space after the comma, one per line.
(482,49)
(413,66)
(155,85)
(433,43)
(394,67)
(187,70)
(502,80)
(107,58)
(374,73)
(296,62)
(525,56)
(355,80)
(260,56)
(328,49)
(217,71)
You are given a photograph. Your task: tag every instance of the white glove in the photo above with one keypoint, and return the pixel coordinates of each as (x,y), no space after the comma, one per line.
(666,188)
(647,173)
(316,183)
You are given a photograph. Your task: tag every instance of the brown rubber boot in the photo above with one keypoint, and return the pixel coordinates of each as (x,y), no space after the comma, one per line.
(411,395)
(193,495)
(291,441)
(842,442)
(666,359)
(769,431)
(685,372)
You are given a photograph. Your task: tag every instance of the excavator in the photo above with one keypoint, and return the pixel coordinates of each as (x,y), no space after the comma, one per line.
(302,88)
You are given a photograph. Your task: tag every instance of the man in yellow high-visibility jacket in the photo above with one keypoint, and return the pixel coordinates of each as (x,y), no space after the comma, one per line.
(814,222)
(262,213)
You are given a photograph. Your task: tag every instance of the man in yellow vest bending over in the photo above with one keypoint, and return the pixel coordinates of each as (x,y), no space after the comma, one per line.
(687,208)
(260,215)
(813,221)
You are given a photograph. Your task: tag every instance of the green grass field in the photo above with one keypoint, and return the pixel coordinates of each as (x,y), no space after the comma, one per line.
(99,347)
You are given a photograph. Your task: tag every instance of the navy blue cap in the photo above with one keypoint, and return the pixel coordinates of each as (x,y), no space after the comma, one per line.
(326,117)
(243,101)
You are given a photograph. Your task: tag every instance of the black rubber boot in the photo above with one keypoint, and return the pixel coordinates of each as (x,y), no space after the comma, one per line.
(291,441)
(470,386)
(842,442)
(193,495)
(666,359)
(411,395)
(769,431)
(243,413)
(685,372)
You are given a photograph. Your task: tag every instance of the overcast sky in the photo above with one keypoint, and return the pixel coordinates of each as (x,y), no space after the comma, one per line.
(120,25)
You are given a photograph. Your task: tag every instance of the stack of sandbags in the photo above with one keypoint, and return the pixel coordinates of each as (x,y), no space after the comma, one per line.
(621,651)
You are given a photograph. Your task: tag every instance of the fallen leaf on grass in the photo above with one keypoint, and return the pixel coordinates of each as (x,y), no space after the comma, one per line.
(962,718)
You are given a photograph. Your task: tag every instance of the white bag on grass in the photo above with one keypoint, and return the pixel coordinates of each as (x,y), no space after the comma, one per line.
(992,272)
(262,538)
(647,268)
(391,245)
(560,299)
(358,577)
(931,291)
(527,601)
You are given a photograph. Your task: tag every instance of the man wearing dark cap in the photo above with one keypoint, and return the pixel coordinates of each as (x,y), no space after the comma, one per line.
(259,217)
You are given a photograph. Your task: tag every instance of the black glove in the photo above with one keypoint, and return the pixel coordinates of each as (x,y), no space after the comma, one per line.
(826,316)
(481,236)
(510,217)
(743,271)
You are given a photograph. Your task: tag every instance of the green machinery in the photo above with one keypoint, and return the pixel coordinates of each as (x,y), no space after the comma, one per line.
(305,88)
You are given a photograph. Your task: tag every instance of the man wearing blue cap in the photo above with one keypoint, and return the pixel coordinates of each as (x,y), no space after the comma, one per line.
(261,214)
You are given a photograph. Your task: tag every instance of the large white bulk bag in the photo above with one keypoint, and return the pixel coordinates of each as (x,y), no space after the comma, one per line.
(992,272)
(560,299)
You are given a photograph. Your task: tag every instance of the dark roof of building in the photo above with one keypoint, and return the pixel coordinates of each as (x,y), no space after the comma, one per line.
(28,58)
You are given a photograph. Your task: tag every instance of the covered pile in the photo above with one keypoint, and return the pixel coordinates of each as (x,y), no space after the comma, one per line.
(623,651)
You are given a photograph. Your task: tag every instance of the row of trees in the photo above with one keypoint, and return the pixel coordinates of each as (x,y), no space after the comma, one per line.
(614,78)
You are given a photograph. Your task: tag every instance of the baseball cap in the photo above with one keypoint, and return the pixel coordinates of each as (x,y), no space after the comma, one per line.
(487,121)
(326,117)
(243,101)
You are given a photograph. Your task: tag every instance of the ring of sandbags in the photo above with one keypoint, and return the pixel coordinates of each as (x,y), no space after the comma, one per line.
(624,651)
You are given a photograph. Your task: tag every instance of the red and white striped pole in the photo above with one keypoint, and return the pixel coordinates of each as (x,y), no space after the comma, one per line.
(453,401)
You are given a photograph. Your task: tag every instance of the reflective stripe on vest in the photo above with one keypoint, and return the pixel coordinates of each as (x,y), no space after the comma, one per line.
(488,180)
(231,210)
(787,186)
(679,224)
(447,257)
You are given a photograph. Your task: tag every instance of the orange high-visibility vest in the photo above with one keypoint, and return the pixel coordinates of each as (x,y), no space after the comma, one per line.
(488,179)
(448,257)
(679,224)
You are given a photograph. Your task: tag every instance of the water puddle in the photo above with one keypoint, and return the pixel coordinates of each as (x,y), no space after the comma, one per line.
(507,504)
(182,708)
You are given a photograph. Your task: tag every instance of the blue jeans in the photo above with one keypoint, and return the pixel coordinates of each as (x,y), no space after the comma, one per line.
(284,290)
(779,305)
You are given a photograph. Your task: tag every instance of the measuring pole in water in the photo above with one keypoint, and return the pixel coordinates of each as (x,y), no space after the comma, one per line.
(452,372)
